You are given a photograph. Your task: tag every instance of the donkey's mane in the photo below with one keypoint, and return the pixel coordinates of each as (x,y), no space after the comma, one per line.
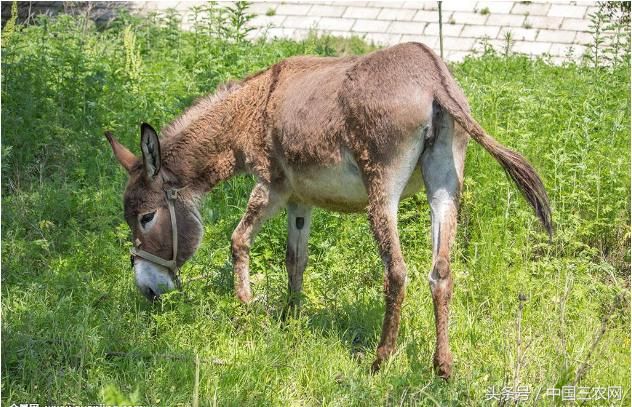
(204,103)
(199,107)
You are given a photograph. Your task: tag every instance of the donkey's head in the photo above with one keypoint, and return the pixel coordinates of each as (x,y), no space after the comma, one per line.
(161,213)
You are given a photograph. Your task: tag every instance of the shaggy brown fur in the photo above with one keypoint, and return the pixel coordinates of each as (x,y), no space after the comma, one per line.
(339,133)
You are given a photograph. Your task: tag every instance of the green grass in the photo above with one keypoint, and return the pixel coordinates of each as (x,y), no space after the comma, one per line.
(75,329)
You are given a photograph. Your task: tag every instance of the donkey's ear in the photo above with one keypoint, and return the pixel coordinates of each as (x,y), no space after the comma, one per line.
(150,146)
(122,154)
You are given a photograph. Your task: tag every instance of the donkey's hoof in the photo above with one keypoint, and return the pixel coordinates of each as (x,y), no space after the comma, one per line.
(290,310)
(443,364)
(375,367)
(244,295)
(383,353)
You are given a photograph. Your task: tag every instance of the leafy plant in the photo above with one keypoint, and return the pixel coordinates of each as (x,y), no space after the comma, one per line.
(238,18)
(9,27)
(509,42)
(610,28)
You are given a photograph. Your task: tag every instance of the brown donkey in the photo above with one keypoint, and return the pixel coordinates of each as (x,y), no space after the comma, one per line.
(346,134)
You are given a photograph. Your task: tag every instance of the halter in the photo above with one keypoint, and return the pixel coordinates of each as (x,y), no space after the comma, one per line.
(172,196)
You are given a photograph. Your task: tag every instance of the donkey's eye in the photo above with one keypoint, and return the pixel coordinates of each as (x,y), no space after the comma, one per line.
(146,218)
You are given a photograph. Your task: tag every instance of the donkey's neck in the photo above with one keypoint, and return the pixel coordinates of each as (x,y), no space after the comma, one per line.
(210,142)
(199,155)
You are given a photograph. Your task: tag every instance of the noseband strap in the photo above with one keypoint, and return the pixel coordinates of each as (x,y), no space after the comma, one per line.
(172,196)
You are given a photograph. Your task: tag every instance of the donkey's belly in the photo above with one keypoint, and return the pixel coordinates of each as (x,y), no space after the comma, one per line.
(339,187)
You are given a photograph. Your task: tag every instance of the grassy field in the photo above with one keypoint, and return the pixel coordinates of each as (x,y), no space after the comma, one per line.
(75,329)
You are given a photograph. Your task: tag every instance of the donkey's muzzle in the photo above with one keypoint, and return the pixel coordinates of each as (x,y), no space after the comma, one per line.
(153,280)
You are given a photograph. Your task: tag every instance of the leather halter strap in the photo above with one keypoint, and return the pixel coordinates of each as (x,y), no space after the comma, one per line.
(172,196)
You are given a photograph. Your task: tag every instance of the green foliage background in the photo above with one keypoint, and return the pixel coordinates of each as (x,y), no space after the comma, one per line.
(74,329)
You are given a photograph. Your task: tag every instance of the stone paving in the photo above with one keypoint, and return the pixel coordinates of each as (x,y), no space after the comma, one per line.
(560,29)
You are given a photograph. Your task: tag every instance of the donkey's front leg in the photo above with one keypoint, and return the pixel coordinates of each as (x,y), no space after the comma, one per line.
(299,219)
(382,210)
(442,167)
(264,202)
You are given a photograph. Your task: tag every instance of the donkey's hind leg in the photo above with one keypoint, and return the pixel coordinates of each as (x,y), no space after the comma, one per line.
(299,219)
(442,167)
(264,202)
(382,210)
(385,184)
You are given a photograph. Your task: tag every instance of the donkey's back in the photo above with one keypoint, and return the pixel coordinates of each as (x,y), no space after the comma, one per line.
(320,103)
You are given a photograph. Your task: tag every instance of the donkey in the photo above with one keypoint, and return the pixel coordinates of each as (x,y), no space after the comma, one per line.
(346,134)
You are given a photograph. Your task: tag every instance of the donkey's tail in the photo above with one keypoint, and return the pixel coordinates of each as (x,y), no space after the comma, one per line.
(450,97)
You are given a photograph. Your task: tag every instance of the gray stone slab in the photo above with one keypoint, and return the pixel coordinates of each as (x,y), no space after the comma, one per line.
(567,10)
(565,37)
(506,20)
(530,8)
(361,12)
(327,10)
(406,27)
(394,14)
(478,31)
(370,26)
(494,7)
(336,24)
